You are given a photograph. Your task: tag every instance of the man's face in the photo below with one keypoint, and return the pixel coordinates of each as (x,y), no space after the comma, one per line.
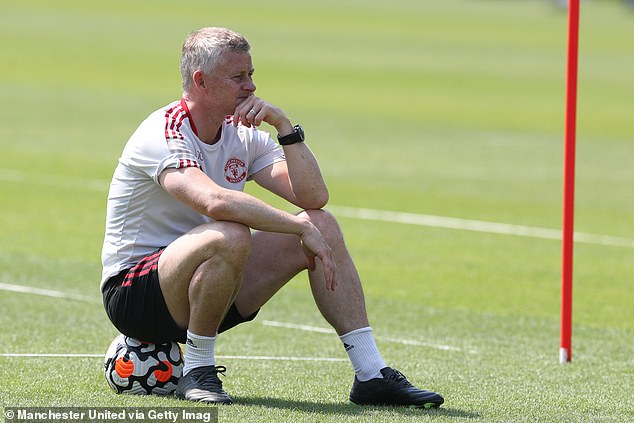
(231,82)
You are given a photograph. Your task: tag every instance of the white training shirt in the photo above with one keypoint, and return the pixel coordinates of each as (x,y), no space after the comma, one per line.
(141,216)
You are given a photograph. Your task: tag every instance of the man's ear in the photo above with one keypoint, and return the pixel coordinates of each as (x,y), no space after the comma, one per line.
(199,79)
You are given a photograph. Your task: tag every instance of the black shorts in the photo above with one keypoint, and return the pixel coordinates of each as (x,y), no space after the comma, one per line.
(134,303)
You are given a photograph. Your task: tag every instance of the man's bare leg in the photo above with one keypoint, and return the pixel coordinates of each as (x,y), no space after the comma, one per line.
(200,274)
(277,258)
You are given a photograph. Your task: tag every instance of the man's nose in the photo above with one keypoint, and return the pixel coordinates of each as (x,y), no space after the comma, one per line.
(249,86)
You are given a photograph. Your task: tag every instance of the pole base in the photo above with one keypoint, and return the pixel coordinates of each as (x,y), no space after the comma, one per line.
(564,357)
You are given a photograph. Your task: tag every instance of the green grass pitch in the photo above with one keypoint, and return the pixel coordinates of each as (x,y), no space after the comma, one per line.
(449,108)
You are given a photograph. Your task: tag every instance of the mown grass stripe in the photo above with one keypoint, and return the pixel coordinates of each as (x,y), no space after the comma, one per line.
(379,338)
(475,225)
(372,214)
(47,293)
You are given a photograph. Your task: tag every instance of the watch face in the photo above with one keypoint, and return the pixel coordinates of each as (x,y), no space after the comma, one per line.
(300,131)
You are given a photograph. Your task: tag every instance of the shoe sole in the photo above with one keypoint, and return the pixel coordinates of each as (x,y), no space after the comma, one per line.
(222,402)
(203,397)
(426,406)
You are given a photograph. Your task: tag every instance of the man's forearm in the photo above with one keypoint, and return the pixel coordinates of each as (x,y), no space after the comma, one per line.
(307,183)
(306,179)
(240,207)
(196,190)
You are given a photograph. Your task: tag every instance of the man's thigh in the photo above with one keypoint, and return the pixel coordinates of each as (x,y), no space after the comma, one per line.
(185,255)
(275,259)
(182,257)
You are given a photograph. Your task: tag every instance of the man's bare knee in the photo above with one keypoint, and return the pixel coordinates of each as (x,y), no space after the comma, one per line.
(221,242)
(326,223)
(234,244)
(237,239)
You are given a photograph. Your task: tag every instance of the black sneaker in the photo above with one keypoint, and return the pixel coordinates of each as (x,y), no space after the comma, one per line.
(202,384)
(393,389)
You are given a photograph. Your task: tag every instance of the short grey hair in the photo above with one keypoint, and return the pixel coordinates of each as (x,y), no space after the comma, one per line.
(202,50)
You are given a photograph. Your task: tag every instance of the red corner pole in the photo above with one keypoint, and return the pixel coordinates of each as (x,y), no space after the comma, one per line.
(565,351)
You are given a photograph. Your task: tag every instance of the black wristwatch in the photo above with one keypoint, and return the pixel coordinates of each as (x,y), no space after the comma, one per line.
(293,138)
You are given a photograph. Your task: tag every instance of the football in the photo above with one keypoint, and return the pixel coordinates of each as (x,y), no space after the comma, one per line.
(141,368)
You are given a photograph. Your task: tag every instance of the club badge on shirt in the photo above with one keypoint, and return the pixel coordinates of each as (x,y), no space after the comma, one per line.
(235,170)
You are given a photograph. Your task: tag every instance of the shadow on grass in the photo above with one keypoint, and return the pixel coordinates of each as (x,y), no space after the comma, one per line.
(347,409)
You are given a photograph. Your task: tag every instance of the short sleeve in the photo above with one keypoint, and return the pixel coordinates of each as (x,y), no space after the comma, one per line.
(150,151)
(263,152)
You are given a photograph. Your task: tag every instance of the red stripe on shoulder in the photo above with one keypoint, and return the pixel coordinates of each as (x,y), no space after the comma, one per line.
(174,117)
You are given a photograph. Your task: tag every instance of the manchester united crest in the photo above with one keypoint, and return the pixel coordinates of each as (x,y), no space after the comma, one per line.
(235,170)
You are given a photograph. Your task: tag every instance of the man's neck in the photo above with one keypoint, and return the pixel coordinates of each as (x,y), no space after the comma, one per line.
(207,127)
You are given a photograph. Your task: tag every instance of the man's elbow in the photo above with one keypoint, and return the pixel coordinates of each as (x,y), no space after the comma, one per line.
(315,201)
(218,206)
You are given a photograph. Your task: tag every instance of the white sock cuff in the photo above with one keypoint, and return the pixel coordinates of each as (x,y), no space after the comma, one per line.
(203,340)
(363,353)
(355,332)
(199,351)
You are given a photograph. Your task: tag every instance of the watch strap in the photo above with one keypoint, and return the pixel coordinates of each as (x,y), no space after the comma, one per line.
(293,138)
